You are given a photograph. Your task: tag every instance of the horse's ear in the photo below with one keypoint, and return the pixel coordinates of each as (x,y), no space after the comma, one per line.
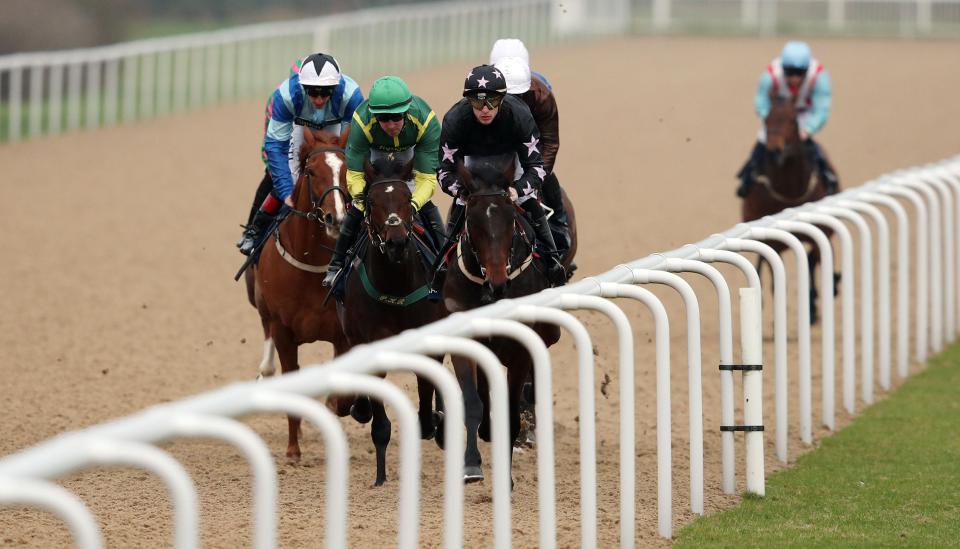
(368,172)
(509,171)
(463,174)
(406,173)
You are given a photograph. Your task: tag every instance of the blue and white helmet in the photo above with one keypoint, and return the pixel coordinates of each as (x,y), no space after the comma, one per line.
(795,55)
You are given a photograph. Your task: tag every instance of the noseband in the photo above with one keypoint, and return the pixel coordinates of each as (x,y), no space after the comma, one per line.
(393,220)
(473,251)
(316,212)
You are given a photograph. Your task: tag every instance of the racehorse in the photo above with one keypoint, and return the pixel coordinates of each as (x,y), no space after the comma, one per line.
(388,289)
(786,177)
(285,286)
(495,259)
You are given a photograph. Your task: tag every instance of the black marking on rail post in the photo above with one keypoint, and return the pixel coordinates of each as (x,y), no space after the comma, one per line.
(741,367)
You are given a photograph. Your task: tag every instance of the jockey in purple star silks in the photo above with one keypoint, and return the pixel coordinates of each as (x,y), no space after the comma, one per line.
(489,122)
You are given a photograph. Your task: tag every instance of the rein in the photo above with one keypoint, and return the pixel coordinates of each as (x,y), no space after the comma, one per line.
(512,274)
(792,201)
(315,213)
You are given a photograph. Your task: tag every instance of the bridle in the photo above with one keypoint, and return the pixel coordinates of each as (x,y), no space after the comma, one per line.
(393,220)
(316,212)
(465,239)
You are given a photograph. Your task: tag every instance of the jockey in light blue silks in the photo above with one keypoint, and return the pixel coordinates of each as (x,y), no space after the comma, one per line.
(796,76)
(316,94)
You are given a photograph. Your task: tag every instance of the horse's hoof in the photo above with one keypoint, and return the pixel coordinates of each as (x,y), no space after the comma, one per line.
(293,458)
(472,474)
(427,432)
(439,437)
(363,413)
(379,482)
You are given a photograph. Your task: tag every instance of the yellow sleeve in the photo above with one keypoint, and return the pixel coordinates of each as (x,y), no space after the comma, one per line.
(356,182)
(423,186)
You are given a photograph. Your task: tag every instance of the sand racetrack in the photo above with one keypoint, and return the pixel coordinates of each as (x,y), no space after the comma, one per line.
(118,255)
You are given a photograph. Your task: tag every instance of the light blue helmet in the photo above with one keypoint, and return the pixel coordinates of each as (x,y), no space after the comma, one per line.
(795,55)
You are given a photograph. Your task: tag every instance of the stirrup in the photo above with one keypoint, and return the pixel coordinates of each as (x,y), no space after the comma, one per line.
(331,277)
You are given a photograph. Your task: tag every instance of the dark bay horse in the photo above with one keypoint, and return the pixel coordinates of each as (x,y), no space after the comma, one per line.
(389,291)
(786,177)
(495,259)
(285,284)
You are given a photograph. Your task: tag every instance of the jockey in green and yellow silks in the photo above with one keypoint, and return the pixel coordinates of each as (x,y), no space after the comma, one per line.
(391,121)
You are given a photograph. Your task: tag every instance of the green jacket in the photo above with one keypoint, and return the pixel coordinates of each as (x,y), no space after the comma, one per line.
(421,129)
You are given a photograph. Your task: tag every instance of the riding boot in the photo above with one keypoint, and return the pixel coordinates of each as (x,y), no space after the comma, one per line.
(553,199)
(433,222)
(556,274)
(348,234)
(252,232)
(455,220)
(746,172)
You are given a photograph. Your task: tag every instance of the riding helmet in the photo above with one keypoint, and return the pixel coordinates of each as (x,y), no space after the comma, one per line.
(388,95)
(320,69)
(484,79)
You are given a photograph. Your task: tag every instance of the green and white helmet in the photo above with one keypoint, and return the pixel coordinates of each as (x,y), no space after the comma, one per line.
(389,95)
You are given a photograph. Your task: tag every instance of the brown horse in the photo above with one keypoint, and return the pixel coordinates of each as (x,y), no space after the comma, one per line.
(388,291)
(786,177)
(495,259)
(285,284)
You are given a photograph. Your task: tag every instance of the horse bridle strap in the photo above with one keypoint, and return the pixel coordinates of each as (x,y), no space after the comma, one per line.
(315,202)
(811,187)
(396,301)
(297,263)
(476,279)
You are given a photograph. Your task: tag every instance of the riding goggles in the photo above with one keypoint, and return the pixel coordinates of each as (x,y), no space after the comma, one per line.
(795,71)
(319,91)
(491,100)
(389,116)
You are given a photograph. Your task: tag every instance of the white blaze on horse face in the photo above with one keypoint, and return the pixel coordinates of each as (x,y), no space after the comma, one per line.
(389,189)
(490,209)
(336,165)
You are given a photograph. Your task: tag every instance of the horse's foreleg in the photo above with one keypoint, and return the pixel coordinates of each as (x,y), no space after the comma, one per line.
(473,410)
(267,368)
(483,389)
(287,349)
(813,258)
(380,433)
(425,391)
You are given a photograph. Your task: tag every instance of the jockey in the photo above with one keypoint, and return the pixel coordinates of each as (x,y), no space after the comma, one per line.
(489,122)
(543,105)
(391,121)
(797,76)
(315,94)
(514,47)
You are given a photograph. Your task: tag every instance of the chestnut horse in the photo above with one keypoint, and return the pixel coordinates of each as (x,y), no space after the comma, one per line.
(388,289)
(285,284)
(786,177)
(495,259)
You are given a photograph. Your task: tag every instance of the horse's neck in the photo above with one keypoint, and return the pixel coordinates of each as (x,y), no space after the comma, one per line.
(394,278)
(793,176)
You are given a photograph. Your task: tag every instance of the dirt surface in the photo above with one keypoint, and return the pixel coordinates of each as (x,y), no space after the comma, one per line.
(118,255)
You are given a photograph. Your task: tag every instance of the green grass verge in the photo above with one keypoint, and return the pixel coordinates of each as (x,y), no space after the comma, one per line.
(891,478)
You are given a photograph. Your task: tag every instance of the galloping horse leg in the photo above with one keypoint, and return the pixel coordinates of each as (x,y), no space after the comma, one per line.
(425,391)
(340,404)
(813,258)
(287,349)
(466,372)
(380,433)
(483,389)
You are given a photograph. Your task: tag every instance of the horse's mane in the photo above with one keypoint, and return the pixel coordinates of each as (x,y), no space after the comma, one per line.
(313,139)
(492,171)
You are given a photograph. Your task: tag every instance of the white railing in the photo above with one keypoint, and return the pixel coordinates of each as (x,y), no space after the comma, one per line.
(46,93)
(52,92)
(905,18)
(933,191)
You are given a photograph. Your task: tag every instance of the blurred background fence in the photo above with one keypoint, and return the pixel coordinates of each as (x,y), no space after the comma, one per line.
(55,91)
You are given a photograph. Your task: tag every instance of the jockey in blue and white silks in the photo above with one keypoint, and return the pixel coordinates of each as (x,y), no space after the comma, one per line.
(316,94)
(795,76)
